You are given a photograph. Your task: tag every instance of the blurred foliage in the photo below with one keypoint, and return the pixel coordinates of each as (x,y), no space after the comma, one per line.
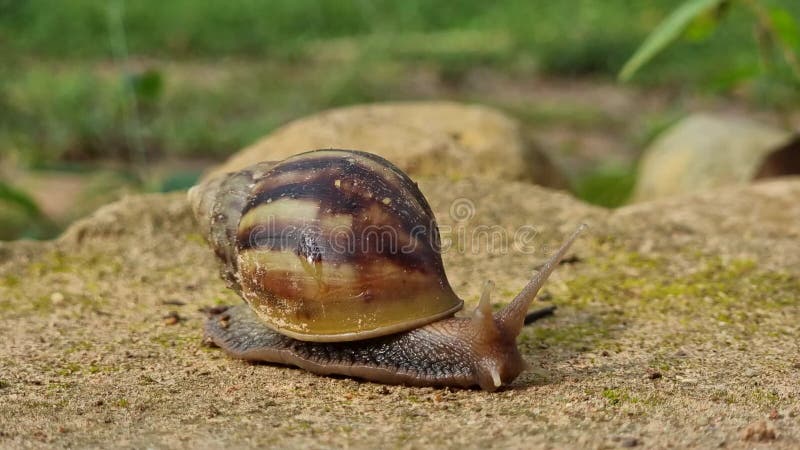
(776,32)
(19,199)
(20,216)
(132,82)
(278,28)
(672,27)
(608,186)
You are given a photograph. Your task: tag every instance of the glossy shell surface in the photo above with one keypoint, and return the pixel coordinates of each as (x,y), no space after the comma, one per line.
(337,245)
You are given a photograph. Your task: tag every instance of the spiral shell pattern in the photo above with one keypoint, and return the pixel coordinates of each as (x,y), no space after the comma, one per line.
(336,245)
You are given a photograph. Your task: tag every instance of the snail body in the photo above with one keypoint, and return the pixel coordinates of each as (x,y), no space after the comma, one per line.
(336,254)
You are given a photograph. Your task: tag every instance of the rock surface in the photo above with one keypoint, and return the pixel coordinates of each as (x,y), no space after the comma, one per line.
(423,138)
(677,327)
(705,151)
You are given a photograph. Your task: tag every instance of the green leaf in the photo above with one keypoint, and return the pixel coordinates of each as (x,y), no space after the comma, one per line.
(666,32)
(14,196)
(785,27)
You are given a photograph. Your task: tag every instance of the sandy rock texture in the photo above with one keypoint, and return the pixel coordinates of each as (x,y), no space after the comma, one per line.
(677,327)
(431,138)
(705,151)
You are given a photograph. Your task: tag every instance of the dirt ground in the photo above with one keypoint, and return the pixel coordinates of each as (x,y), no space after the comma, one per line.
(676,327)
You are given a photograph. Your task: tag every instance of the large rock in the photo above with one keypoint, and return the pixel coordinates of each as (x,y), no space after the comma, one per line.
(422,138)
(705,151)
(677,327)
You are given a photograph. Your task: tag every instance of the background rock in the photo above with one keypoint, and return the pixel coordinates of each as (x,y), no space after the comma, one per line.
(705,151)
(701,290)
(422,138)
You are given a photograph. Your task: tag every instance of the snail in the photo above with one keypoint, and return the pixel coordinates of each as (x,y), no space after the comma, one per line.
(335,253)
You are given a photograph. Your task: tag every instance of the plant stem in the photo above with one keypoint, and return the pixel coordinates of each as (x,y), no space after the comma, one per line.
(765,23)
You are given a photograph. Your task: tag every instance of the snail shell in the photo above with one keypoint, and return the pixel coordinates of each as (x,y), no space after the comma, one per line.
(329,246)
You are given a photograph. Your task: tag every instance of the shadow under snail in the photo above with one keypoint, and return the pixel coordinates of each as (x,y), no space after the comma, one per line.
(336,254)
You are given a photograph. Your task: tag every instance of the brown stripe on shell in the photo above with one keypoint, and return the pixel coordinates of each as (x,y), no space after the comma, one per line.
(371,178)
(387,220)
(375,234)
(406,182)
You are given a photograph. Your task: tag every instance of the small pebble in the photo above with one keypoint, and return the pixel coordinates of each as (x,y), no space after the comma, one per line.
(212,412)
(213,310)
(172,318)
(56,297)
(759,431)
(630,442)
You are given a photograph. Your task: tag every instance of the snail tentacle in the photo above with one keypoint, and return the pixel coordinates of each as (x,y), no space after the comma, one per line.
(512,317)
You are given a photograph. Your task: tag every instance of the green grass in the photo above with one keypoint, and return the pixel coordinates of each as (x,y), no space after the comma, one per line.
(578,36)
(186,28)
